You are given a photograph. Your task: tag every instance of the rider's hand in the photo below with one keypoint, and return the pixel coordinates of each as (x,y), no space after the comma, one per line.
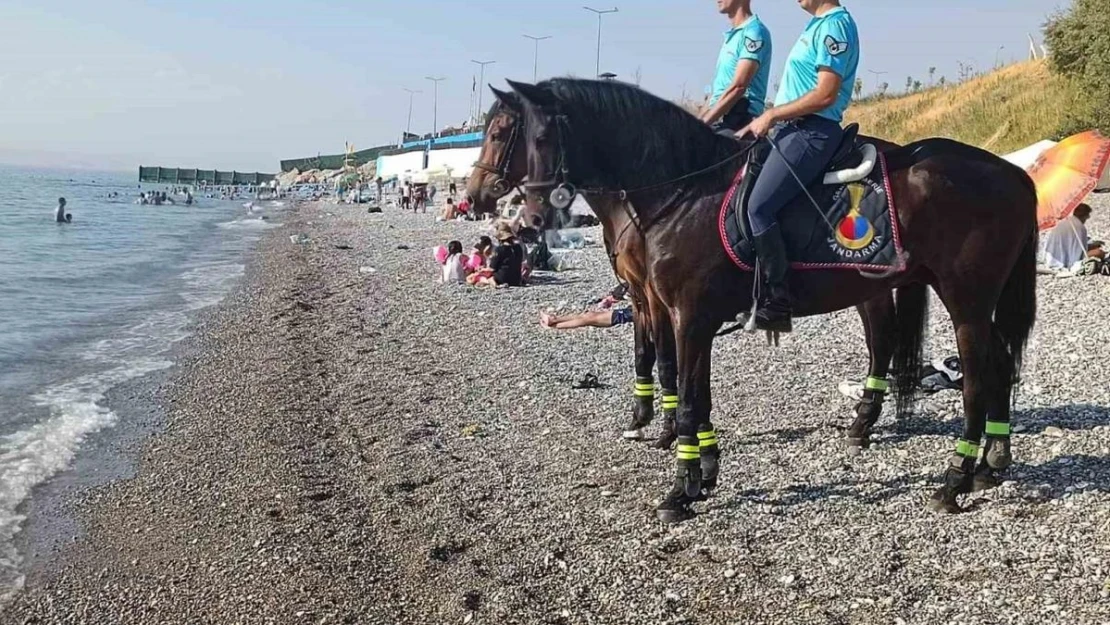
(759,127)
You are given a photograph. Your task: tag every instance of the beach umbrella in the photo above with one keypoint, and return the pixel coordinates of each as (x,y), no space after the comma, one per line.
(1066,174)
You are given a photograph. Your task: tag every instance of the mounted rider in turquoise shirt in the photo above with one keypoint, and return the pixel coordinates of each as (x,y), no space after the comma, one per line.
(805,124)
(743,69)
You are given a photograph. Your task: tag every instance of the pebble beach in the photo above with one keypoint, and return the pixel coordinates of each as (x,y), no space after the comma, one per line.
(345,440)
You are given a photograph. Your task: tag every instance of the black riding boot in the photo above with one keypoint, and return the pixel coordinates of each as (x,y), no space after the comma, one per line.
(774,310)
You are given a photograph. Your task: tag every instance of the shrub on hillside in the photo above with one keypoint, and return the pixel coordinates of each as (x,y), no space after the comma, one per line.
(1079,44)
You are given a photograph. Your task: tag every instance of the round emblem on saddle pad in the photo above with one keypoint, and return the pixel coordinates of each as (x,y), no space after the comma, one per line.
(855,232)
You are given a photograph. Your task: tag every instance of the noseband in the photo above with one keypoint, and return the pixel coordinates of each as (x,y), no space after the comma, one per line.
(502,184)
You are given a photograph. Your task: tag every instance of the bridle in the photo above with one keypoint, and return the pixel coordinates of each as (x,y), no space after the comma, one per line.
(503,184)
(560,192)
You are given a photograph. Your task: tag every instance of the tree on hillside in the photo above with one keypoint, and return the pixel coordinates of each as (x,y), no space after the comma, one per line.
(1079,45)
(917,85)
(859,87)
(942,82)
(932,73)
(883,88)
(966,71)
(909,83)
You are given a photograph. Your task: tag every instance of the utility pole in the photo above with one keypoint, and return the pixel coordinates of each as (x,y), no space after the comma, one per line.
(481,86)
(536,56)
(435,106)
(411,92)
(600,14)
(876,74)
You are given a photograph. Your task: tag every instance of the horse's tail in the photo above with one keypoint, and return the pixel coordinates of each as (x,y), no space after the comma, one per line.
(1017,309)
(911,313)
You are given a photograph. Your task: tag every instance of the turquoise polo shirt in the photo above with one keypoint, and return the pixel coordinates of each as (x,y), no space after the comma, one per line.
(830,41)
(748,41)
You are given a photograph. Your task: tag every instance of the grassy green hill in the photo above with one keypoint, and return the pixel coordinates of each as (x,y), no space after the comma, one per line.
(1002,111)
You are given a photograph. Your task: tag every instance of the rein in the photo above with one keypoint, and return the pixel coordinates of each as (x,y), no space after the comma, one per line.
(503,184)
(562,192)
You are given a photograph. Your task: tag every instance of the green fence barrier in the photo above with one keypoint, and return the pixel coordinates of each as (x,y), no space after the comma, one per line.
(173,175)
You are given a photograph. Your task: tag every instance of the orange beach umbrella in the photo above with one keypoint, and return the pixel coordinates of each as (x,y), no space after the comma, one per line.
(1066,173)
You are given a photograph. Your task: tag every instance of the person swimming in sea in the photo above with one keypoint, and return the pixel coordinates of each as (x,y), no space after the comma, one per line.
(60,215)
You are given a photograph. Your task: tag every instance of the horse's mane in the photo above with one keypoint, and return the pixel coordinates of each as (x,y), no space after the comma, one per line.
(650,139)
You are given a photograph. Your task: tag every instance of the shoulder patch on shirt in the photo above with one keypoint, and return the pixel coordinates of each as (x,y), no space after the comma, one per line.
(836,48)
(753,45)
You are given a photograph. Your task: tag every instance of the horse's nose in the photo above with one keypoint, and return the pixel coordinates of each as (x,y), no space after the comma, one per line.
(537,222)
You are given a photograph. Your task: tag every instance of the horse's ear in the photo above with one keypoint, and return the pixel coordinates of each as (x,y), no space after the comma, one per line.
(509,100)
(533,94)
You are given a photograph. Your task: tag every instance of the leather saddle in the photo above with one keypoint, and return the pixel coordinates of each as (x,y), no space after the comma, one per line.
(851,161)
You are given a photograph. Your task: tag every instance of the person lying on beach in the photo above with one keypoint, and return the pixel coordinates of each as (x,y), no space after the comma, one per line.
(610,314)
(620,315)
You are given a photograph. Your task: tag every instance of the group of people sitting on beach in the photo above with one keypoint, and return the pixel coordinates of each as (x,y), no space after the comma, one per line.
(502,265)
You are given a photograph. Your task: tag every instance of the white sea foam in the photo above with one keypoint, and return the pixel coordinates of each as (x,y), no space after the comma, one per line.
(249,224)
(33,455)
(76,409)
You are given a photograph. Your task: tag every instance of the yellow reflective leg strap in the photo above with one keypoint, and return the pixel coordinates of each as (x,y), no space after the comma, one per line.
(707,439)
(995,428)
(967,449)
(688,452)
(645,387)
(876,384)
(670,402)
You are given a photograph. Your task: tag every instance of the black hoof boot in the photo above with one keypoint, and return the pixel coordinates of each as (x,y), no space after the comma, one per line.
(688,484)
(867,413)
(958,480)
(668,435)
(986,478)
(676,508)
(998,455)
(643,411)
(710,461)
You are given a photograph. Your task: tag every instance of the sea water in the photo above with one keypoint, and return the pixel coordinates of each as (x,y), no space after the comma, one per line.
(91,304)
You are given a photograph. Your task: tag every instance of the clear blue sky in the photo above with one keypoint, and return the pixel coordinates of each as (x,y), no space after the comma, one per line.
(243,83)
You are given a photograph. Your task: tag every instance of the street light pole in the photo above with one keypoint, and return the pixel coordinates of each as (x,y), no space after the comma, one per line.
(408,124)
(876,74)
(481,82)
(600,13)
(536,56)
(435,106)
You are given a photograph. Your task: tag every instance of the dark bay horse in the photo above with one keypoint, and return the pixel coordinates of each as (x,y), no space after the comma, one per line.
(502,167)
(968,227)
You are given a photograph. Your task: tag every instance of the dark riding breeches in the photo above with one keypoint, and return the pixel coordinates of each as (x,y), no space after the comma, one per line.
(807,144)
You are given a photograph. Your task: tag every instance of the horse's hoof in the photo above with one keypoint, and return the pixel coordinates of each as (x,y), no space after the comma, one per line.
(665,441)
(985,480)
(674,516)
(998,454)
(706,494)
(856,445)
(636,434)
(945,502)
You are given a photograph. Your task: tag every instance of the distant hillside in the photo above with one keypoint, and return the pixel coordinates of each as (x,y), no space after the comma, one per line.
(1002,111)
